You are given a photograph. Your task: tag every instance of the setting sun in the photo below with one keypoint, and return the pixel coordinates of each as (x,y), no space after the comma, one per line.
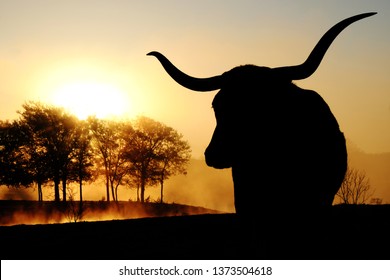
(91,99)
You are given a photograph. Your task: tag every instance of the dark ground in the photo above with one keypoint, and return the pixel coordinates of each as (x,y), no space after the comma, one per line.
(345,232)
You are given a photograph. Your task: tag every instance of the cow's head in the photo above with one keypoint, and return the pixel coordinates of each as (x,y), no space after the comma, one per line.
(234,84)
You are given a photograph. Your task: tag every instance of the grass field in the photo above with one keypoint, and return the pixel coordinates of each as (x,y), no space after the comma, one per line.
(14,212)
(345,232)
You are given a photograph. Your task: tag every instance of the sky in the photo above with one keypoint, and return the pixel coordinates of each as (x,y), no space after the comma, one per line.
(90,57)
(68,53)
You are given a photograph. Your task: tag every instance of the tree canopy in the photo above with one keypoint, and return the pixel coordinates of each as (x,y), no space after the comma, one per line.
(48,145)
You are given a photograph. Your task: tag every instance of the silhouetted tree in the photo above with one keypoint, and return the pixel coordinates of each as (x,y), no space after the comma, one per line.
(156,152)
(23,159)
(82,156)
(54,129)
(172,158)
(14,158)
(356,187)
(37,160)
(110,143)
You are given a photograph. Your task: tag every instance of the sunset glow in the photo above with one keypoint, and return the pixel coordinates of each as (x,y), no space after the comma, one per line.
(135,135)
(91,99)
(91,60)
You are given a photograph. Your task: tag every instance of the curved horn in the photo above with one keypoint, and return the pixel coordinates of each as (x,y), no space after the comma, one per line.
(197,84)
(311,64)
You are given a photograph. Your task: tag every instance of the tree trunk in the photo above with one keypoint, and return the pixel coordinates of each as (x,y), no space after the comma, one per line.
(40,196)
(81,190)
(116,192)
(114,197)
(64,189)
(107,189)
(161,191)
(56,190)
(142,191)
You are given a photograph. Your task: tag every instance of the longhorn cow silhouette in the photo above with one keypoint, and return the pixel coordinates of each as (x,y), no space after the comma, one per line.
(283,143)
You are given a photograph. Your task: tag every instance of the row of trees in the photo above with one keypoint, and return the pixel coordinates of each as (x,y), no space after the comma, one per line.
(48,145)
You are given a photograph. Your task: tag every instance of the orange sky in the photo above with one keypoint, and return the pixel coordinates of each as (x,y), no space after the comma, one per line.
(49,45)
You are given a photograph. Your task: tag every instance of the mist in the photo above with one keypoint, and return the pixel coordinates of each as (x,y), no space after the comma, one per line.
(377,169)
(211,188)
(202,186)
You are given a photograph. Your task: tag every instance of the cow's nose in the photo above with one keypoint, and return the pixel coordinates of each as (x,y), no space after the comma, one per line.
(217,160)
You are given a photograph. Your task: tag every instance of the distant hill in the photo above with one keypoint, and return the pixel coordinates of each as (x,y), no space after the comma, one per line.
(377,168)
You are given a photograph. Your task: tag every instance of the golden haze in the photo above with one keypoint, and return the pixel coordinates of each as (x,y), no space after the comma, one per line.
(45,48)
